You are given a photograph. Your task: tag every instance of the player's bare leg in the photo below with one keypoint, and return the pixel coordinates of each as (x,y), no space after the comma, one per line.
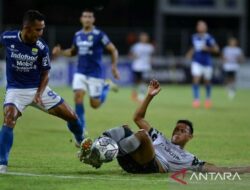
(65,112)
(208,103)
(145,152)
(11,115)
(95,102)
(196,93)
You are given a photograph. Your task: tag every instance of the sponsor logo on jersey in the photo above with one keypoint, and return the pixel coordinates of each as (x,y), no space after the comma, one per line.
(9,37)
(34,51)
(45,61)
(23,57)
(40,45)
(90,38)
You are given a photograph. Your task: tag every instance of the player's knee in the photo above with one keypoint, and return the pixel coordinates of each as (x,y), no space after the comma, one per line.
(74,116)
(9,119)
(143,136)
(95,105)
(78,98)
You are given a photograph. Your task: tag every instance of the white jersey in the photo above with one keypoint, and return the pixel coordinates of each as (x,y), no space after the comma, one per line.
(171,156)
(142,53)
(231,56)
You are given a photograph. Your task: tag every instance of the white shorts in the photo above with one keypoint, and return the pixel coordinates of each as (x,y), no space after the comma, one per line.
(22,98)
(199,70)
(93,85)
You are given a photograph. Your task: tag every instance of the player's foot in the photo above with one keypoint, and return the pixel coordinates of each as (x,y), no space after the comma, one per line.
(85,148)
(77,143)
(231,94)
(208,104)
(196,104)
(89,155)
(3,169)
(112,85)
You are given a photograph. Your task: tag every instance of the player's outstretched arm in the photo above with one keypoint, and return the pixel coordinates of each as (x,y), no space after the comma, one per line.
(189,54)
(212,168)
(114,59)
(58,51)
(139,116)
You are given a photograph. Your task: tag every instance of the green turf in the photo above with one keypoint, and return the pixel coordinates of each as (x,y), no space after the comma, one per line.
(42,142)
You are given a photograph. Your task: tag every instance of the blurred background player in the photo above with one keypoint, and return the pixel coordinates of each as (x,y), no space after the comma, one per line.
(148,150)
(203,44)
(27,70)
(141,53)
(88,44)
(232,55)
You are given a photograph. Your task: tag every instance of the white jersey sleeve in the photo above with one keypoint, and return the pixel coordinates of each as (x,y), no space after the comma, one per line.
(171,156)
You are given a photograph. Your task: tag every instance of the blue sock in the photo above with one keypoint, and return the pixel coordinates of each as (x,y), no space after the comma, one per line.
(80,111)
(208,91)
(6,141)
(76,128)
(196,91)
(105,92)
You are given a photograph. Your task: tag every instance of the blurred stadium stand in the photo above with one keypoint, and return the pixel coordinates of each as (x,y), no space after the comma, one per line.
(169,22)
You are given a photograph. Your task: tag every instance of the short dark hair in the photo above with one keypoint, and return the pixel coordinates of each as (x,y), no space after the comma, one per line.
(90,10)
(31,16)
(188,123)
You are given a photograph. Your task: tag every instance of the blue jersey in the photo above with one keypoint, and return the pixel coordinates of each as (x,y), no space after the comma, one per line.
(24,62)
(198,42)
(90,48)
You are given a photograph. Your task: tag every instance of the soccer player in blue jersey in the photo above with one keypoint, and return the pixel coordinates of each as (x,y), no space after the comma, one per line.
(27,70)
(88,44)
(203,45)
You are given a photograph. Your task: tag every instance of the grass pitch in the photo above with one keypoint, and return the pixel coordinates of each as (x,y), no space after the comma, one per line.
(43,157)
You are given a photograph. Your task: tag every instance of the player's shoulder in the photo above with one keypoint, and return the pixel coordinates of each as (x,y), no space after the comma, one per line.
(79,32)
(42,45)
(155,134)
(13,34)
(97,31)
(209,36)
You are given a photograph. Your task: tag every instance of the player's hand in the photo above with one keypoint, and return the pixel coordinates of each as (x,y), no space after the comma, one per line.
(154,87)
(206,48)
(115,73)
(38,99)
(56,51)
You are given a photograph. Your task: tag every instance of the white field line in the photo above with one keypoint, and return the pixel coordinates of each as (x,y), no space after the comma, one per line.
(97,177)
(245,182)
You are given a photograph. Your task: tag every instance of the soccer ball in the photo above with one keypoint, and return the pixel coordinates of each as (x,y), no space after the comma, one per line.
(107,148)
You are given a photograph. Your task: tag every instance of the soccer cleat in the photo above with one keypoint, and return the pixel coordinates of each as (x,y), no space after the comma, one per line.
(196,104)
(208,104)
(3,169)
(112,85)
(89,155)
(85,148)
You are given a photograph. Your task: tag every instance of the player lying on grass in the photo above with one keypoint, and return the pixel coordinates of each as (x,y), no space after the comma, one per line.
(148,150)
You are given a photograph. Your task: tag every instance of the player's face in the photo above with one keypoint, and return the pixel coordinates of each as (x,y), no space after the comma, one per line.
(144,37)
(181,134)
(34,31)
(201,27)
(87,19)
(232,42)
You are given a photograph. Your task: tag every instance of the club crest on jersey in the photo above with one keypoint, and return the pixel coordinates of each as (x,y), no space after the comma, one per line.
(34,51)
(90,38)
